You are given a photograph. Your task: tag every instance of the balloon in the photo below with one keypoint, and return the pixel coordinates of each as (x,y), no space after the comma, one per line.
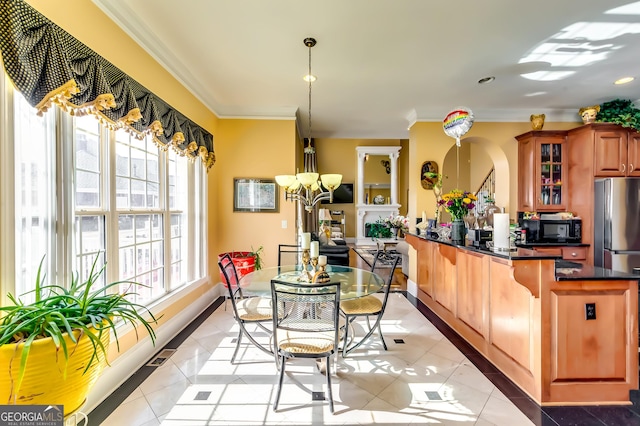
(457,123)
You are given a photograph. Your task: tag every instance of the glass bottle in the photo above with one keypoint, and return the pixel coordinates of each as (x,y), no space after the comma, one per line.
(489,211)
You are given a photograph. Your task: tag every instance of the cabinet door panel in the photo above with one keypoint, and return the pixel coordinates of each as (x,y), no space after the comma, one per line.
(526,174)
(610,153)
(551,173)
(633,150)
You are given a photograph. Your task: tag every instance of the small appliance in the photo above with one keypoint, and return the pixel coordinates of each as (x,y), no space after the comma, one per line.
(479,237)
(551,230)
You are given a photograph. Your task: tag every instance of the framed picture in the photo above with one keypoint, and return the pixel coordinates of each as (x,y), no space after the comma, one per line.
(428,182)
(255,195)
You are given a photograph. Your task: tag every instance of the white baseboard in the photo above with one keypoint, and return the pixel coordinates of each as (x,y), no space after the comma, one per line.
(128,363)
(412,288)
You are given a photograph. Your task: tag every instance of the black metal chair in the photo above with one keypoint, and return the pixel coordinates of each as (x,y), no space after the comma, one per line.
(246,310)
(370,306)
(305,325)
(289,254)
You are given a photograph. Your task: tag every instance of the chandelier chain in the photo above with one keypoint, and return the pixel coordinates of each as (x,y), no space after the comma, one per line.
(310,45)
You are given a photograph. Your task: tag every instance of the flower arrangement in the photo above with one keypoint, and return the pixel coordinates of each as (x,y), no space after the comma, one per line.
(437,190)
(458,203)
(399,222)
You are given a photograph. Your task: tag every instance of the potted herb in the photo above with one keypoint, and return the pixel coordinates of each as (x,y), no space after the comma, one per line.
(53,350)
(620,111)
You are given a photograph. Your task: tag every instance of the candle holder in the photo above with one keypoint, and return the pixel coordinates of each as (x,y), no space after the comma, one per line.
(321,276)
(304,274)
(314,264)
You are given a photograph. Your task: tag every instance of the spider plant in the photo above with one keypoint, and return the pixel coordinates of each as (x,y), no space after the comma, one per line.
(79,310)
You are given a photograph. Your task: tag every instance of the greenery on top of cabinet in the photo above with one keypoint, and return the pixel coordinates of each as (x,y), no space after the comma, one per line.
(620,111)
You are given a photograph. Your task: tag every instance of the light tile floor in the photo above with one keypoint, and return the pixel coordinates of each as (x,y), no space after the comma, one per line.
(425,380)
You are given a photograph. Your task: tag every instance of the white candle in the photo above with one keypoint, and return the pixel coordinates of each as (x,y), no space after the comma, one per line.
(501,230)
(315,248)
(424,216)
(322,260)
(306,239)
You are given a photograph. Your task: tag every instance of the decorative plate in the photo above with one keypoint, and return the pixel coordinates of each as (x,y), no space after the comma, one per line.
(378,199)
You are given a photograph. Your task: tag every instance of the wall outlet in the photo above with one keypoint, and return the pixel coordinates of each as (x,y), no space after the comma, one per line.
(284,224)
(590,311)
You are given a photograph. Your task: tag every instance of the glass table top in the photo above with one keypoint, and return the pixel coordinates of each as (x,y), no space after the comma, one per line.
(354,282)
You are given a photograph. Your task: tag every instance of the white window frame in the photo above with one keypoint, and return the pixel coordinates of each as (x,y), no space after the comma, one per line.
(195,230)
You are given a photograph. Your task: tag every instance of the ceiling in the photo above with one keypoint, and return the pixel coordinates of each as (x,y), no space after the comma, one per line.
(384,64)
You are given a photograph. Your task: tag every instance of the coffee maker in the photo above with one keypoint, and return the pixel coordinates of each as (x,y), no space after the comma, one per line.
(479,237)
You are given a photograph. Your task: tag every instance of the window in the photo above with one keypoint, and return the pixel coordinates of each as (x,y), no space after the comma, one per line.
(133,206)
(34,190)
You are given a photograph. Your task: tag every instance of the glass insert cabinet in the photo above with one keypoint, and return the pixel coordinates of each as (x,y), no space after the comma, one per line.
(541,172)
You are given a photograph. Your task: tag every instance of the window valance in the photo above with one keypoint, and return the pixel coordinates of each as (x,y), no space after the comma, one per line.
(49,66)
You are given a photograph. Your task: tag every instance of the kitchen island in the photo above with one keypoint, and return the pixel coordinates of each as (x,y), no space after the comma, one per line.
(566,335)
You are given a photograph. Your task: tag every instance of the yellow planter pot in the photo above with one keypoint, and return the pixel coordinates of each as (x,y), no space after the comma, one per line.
(45,381)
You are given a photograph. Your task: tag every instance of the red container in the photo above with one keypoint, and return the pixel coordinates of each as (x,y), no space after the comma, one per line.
(244,262)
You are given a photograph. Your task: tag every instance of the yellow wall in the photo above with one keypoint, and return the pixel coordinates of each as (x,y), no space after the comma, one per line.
(339,156)
(429,142)
(252,149)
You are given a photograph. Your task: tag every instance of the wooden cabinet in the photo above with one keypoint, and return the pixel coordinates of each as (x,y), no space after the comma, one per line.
(575,253)
(617,153)
(542,171)
(532,326)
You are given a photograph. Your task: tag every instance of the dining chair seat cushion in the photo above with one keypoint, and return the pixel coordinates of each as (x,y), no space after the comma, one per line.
(296,342)
(368,304)
(254,309)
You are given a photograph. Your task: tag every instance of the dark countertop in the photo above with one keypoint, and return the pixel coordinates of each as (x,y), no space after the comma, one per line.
(590,273)
(514,254)
(565,270)
(531,245)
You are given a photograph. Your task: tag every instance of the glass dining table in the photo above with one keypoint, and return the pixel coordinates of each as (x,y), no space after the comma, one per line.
(354,282)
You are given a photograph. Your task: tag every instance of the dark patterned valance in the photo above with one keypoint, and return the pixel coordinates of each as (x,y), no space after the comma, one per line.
(49,66)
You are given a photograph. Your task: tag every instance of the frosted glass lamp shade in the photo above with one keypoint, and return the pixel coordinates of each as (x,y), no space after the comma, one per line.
(285,181)
(315,186)
(331,181)
(294,186)
(307,179)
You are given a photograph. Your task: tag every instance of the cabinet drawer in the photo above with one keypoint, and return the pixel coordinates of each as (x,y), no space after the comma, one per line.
(549,250)
(574,253)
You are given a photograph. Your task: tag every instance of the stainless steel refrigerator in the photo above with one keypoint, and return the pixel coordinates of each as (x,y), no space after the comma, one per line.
(617,223)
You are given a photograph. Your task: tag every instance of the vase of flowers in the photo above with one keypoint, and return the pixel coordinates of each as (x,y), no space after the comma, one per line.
(458,204)
(397,224)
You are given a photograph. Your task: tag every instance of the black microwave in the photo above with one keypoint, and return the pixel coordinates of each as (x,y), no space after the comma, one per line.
(552,231)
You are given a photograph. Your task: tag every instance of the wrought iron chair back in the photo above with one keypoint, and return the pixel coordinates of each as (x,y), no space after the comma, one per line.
(252,310)
(305,325)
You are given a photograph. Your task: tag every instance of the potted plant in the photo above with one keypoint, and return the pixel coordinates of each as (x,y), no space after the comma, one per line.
(620,111)
(244,261)
(53,350)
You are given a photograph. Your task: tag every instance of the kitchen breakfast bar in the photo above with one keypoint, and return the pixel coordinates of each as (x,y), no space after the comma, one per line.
(565,334)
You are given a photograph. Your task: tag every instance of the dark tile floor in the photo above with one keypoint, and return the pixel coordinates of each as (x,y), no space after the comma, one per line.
(628,415)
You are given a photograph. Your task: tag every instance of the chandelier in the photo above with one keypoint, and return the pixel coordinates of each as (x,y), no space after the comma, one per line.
(305,187)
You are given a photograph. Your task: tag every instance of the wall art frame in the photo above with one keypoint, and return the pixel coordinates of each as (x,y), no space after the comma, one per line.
(255,195)
(428,166)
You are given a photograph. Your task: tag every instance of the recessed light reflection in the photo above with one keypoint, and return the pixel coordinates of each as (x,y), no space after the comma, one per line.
(623,80)
(309,77)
